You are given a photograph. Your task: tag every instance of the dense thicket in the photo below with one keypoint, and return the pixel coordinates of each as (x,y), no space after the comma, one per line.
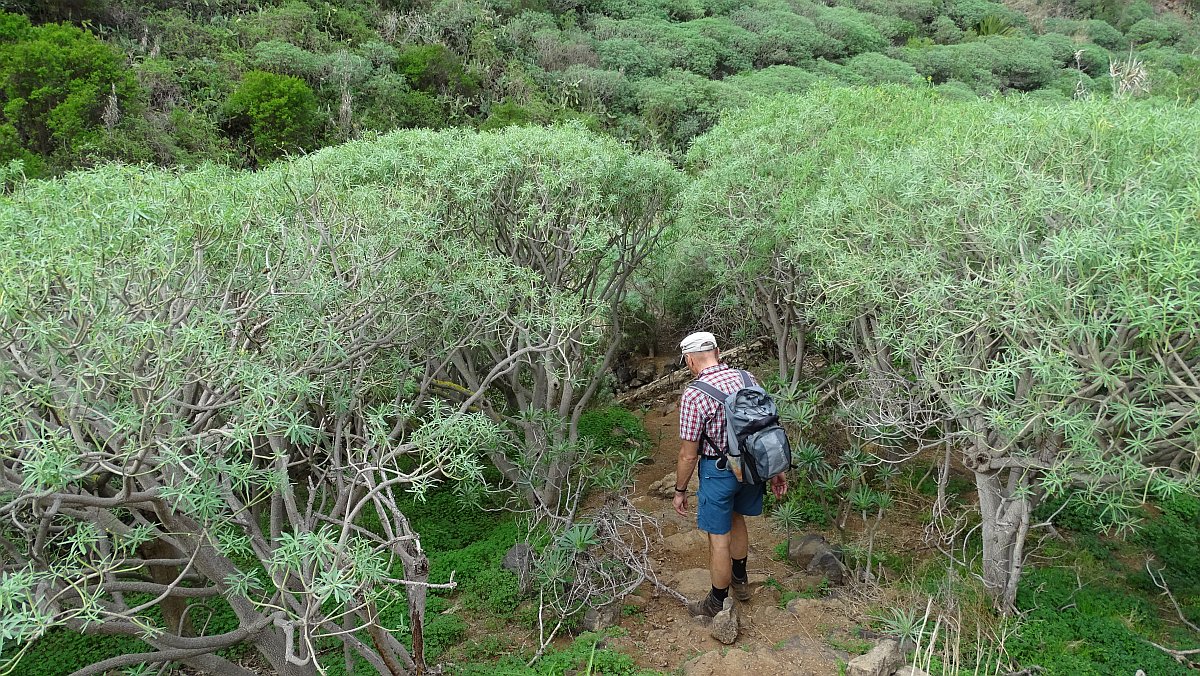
(651,72)
(1014,282)
(219,385)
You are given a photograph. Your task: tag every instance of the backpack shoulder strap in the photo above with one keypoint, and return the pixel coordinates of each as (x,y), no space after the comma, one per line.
(747,381)
(709,389)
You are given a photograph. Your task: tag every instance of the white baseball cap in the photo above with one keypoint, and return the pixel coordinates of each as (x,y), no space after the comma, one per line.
(701,341)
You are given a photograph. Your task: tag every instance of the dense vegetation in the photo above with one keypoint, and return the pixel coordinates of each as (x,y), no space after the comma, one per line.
(242,393)
(242,82)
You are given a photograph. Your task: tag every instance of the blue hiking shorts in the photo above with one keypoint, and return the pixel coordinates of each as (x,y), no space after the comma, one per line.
(721,494)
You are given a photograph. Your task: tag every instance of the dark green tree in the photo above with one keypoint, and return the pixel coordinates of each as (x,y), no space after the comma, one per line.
(275,113)
(61,89)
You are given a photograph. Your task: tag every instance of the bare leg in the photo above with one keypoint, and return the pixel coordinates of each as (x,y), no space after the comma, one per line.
(739,542)
(720,567)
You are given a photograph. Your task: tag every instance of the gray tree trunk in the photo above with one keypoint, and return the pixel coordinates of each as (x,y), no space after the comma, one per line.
(1005,525)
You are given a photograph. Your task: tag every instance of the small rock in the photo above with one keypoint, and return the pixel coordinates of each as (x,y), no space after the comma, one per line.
(636,600)
(599,619)
(693,583)
(668,408)
(802,607)
(881,661)
(518,559)
(802,551)
(828,565)
(725,624)
(665,488)
(688,541)
(910,670)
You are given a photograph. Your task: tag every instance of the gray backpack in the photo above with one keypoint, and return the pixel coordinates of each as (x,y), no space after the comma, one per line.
(755,442)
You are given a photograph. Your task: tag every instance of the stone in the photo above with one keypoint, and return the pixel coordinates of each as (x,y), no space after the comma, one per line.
(910,670)
(687,541)
(665,488)
(883,659)
(770,616)
(519,559)
(725,624)
(636,600)
(802,550)
(599,619)
(828,565)
(693,583)
(802,607)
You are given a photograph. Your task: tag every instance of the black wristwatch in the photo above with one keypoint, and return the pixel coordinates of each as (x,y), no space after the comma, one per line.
(681,490)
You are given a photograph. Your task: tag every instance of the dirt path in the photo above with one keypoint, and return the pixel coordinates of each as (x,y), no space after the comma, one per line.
(772,640)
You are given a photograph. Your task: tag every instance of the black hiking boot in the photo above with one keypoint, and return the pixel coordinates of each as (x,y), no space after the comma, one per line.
(740,589)
(709,606)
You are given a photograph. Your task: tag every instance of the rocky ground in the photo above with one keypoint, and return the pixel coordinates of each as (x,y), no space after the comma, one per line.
(797,638)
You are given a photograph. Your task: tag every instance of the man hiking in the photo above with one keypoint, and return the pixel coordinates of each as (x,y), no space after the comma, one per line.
(723,501)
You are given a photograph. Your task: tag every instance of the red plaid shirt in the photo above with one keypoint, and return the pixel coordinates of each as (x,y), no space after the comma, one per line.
(697,409)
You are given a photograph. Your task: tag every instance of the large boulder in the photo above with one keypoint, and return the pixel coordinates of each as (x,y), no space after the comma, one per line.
(687,541)
(910,670)
(883,660)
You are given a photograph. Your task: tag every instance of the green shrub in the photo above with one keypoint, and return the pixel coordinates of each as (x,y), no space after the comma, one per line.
(279,56)
(1020,63)
(680,105)
(1093,59)
(434,68)
(945,32)
(276,113)
(775,80)
(1132,13)
(600,90)
(1163,31)
(851,29)
(55,84)
(632,57)
(969,13)
(1103,34)
(876,68)
(511,114)
(833,70)
(1062,48)
(785,37)
(915,11)
(392,104)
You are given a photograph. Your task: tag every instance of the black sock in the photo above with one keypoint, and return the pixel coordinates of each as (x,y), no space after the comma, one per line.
(720,594)
(739,569)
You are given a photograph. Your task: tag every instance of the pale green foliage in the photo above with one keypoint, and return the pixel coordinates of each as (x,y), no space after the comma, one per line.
(1022,276)
(187,337)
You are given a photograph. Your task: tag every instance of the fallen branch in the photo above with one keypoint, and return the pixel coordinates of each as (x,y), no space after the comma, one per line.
(1161,582)
(678,378)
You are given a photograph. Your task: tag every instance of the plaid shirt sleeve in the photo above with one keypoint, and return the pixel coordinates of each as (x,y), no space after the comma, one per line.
(691,415)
